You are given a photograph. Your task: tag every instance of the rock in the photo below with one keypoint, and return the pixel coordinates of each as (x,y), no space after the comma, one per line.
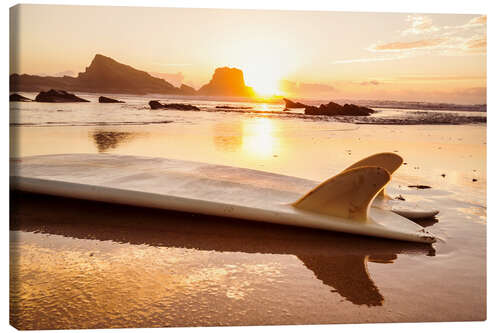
(36,83)
(103,99)
(400,197)
(227,82)
(330,109)
(104,75)
(293,105)
(334,109)
(355,110)
(154,105)
(420,187)
(18,98)
(108,75)
(58,96)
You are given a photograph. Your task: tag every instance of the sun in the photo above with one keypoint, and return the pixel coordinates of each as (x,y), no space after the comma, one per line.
(264,79)
(265,85)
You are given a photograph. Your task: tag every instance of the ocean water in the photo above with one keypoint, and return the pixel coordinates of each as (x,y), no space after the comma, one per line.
(114,266)
(136,111)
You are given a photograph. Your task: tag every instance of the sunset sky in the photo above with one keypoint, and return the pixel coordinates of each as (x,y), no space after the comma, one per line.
(419,57)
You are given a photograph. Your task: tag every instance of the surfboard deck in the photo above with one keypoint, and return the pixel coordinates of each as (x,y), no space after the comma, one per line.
(201,188)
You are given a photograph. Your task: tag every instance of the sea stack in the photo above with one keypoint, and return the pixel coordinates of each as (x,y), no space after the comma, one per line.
(227,82)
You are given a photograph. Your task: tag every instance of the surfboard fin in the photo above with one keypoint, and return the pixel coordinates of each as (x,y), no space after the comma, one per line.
(389,161)
(348,194)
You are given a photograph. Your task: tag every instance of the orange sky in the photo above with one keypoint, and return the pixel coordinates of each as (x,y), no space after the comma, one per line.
(299,53)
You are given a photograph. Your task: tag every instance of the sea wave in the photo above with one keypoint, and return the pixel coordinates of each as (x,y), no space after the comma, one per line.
(88,123)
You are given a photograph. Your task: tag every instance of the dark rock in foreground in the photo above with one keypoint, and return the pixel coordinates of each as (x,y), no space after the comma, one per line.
(18,98)
(103,99)
(334,109)
(293,105)
(58,96)
(420,187)
(174,106)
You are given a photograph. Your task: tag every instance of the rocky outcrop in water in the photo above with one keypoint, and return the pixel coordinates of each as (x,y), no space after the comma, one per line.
(18,98)
(154,105)
(334,109)
(58,96)
(293,105)
(103,99)
(227,82)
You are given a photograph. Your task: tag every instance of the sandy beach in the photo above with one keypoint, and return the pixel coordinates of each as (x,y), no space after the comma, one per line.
(77,264)
(180,167)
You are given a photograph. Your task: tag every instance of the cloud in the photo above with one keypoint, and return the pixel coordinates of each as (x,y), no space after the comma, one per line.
(458,40)
(172,65)
(476,44)
(305,89)
(480,20)
(370,83)
(419,25)
(422,37)
(361,60)
(418,44)
(439,78)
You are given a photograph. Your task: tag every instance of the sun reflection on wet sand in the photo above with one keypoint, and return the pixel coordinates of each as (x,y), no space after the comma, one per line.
(255,138)
(181,265)
(259,139)
(197,273)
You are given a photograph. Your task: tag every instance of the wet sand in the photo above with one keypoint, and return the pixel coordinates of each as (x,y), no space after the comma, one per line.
(77,264)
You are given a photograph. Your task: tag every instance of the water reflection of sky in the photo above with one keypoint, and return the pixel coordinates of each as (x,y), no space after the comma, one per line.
(106,140)
(254,137)
(174,271)
(177,256)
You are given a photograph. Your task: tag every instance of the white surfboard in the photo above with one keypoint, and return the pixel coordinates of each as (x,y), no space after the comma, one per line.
(391,162)
(341,203)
